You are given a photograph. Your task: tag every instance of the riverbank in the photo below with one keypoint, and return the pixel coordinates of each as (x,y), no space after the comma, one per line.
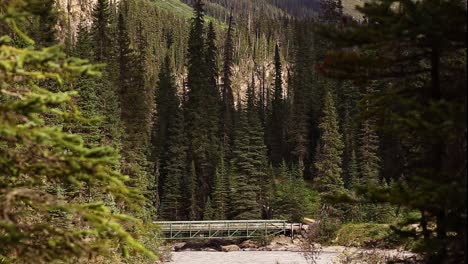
(246,257)
(281,249)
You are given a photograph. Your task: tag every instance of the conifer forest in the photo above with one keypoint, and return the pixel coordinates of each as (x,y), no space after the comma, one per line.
(115,114)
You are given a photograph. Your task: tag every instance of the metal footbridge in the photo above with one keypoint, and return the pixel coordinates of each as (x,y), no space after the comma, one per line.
(226,229)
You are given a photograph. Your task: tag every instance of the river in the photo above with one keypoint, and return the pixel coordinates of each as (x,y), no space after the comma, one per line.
(246,257)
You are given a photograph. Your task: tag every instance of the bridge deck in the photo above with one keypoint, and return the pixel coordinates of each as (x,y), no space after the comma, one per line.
(225,228)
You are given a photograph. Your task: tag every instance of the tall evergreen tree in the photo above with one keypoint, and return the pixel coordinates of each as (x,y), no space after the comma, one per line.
(167,107)
(169,125)
(249,162)
(221,192)
(133,107)
(202,104)
(101,30)
(368,151)
(46,34)
(425,84)
(208,212)
(193,209)
(227,94)
(276,125)
(328,158)
(88,100)
(299,127)
(174,169)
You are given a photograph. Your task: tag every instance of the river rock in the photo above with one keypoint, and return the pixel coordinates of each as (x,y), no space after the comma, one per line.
(230,248)
(281,240)
(250,249)
(209,249)
(248,244)
(178,246)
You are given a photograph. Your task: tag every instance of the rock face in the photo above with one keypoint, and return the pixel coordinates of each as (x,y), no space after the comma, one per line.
(230,248)
(72,12)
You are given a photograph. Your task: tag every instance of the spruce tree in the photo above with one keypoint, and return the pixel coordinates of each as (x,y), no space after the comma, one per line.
(299,126)
(227,94)
(424,84)
(42,222)
(353,179)
(276,125)
(328,158)
(101,30)
(193,209)
(167,108)
(88,100)
(46,34)
(368,151)
(221,192)
(133,108)
(208,212)
(249,162)
(173,158)
(202,104)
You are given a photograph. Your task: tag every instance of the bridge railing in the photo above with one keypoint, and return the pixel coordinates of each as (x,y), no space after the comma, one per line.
(224,228)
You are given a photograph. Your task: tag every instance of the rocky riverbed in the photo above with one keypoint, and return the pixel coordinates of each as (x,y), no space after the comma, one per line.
(281,250)
(246,257)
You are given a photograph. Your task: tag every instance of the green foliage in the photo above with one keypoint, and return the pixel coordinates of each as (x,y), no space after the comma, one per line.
(101,30)
(250,182)
(201,108)
(169,144)
(292,199)
(422,105)
(221,192)
(328,157)
(46,169)
(276,125)
(365,235)
(208,212)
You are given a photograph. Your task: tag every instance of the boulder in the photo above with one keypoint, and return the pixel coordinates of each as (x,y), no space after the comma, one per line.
(178,246)
(230,248)
(248,244)
(281,241)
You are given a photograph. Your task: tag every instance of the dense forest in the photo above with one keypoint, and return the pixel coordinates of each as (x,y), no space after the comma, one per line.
(220,109)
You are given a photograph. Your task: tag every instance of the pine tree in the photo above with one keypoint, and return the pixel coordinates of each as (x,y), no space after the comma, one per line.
(41,221)
(101,30)
(353,180)
(227,94)
(425,78)
(369,160)
(221,192)
(173,157)
(193,210)
(46,34)
(88,100)
(133,108)
(208,212)
(202,103)
(277,114)
(299,127)
(167,107)
(249,162)
(328,157)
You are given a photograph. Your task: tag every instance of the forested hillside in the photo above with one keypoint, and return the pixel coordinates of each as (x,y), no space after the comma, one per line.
(115,114)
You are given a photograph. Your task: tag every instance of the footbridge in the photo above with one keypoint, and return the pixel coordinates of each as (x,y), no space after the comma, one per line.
(226,229)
